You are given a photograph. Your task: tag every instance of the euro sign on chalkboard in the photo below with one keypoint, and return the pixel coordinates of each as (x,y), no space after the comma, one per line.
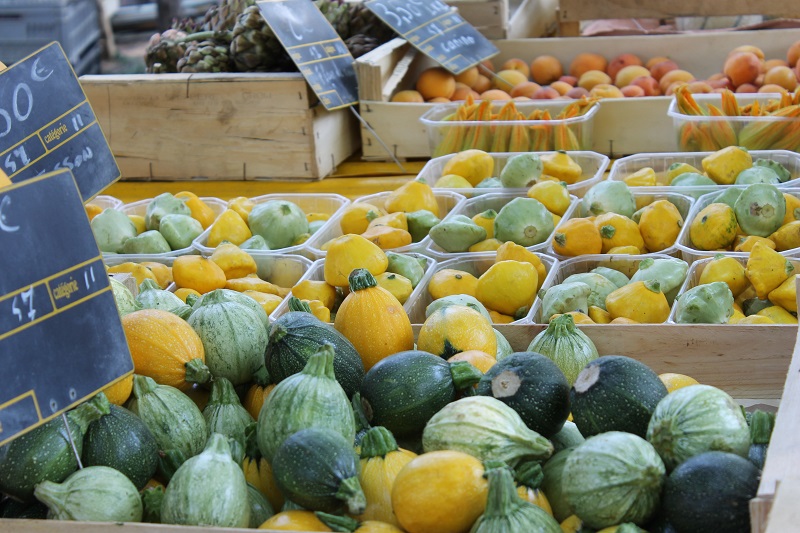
(46,123)
(61,339)
(436,30)
(315,48)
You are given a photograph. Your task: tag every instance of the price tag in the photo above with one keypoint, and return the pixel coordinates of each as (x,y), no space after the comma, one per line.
(315,48)
(46,123)
(436,30)
(61,339)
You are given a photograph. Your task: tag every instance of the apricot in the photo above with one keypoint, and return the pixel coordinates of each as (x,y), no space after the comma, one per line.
(487,63)
(606,90)
(748,48)
(436,82)
(505,80)
(793,54)
(577,92)
(620,62)
(659,69)
(546,69)
(521,99)
(545,93)
(630,91)
(585,62)
(495,94)
(590,78)
(653,61)
(526,88)
(628,74)
(721,83)
(747,88)
(717,76)
(648,84)
(700,87)
(439,100)
(781,76)
(462,93)
(771,88)
(482,85)
(469,77)
(742,67)
(759,80)
(561,87)
(672,76)
(518,65)
(572,80)
(770,64)
(673,86)
(408,96)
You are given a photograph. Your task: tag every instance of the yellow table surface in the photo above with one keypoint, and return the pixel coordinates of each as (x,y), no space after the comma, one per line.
(352,179)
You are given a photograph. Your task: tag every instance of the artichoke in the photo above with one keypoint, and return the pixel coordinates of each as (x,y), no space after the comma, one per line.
(254,46)
(211,55)
(361,44)
(223,17)
(164,50)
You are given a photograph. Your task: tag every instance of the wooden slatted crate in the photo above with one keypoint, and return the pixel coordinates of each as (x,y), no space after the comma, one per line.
(501,19)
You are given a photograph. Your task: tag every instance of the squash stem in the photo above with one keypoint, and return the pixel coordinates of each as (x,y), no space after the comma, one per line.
(351,493)
(197,371)
(261,376)
(377,442)
(361,279)
(530,474)
(464,374)
(223,393)
(52,495)
(321,363)
(88,412)
(151,504)
(344,524)
(503,498)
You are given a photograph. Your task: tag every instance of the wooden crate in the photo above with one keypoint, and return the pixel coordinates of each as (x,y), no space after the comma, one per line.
(621,126)
(219,126)
(499,19)
(571,12)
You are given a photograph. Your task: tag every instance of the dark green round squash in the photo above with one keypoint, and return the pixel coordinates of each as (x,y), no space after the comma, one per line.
(710,492)
(532,385)
(403,391)
(615,393)
(121,441)
(296,336)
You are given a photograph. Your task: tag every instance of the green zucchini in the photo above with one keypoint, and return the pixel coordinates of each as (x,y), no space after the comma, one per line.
(403,391)
(761,424)
(11,508)
(551,484)
(533,386)
(615,393)
(296,336)
(568,437)
(224,412)
(45,453)
(260,509)
(122,441)
(318,469)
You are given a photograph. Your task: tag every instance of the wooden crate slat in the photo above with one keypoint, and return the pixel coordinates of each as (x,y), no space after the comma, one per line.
(576,10)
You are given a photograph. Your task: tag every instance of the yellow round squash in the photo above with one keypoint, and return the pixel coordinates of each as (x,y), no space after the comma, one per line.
(456,328)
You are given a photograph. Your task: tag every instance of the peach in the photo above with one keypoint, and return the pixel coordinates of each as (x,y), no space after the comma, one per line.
(545,93)
(746,88)
(462,93)
(505,80)
(546,69)
(487,64)
(606,90)
(585,62)
(659,69)
(627,74)
(482,85)
(717,76)
(577,92)
(742,67)
(518,65)
(572,80)
(526,88)
(771,88)
(759,80)
(495,94)
(561,87)
(653,61)
(408,96)
(590,78)
(620,62)
(672,76)
(748,48)
(436,82)
(469,77)
(782,76)
(648,84)
(772,63)
(439,100)
(793,53)
(721,83)
(630,91)
(700,87)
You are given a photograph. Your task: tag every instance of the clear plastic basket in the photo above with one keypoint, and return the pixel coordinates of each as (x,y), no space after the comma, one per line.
(317,273)
(331,204)
(696,270)
(682,202)
(698,133)
(691,254)
(479,204)
(140,208)
(475,264)
(660,163)
(627,264)
(104,201)
(592,164)
(577,129)
(446,200)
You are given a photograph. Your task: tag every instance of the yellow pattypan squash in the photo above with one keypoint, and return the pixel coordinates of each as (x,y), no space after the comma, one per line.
(723,166)
(198,273)
(393,220)
(644,177)
(413,196)
(486,221)
(618,230)
(138,271)
(514,252)
(500,318)
(183,292)
(599,315)
(714,227)
(399,286)
(792,208)
(641,301)
(756,319)
(486,245)
(92,210)
(676,169)
(577,317)
(269,302)
(139,223)
(456,328)
(728,270)
(162,272)
(577,236)
(561,166)
(448,282)
(659,224)
(553,195)
(387,237)
(778,315)
(251,282)
(746,243)
(787,236)
(314,217)
(736,316)
(357,216)
(318,309)
(230,227)
(235,262)
(785,294)
(767,269)
(310,289)
(242,205)
(349,252)
(200,210)
(507,286)
(472,165)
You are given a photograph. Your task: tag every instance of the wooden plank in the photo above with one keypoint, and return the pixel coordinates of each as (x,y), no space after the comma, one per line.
(490,17)
(533,18)
(331,143)
(576,10)
(785,513)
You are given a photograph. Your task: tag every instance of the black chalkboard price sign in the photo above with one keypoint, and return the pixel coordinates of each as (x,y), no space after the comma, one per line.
(436,30)
(46,123)
(315,48)
(61,339)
